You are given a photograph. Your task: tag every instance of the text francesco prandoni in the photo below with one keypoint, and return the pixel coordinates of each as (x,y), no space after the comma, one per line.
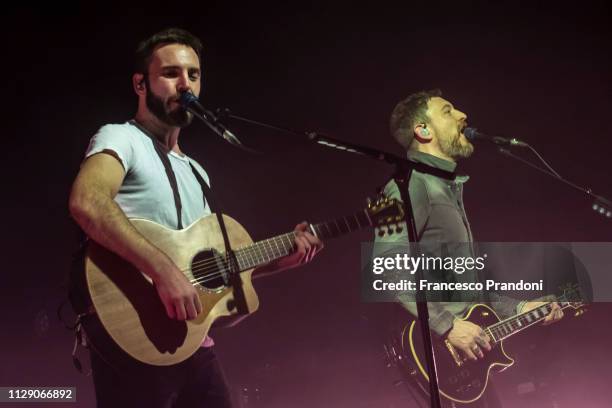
(459,265)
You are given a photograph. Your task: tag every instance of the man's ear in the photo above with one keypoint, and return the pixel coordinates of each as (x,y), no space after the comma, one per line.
(422,134)
(138,82)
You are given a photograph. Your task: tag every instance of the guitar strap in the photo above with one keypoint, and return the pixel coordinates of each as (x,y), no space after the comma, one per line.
(234,276)
(81,303)
(163,156)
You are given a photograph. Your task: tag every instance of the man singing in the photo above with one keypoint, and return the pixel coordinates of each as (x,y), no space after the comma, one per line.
(430,129)
(123,176)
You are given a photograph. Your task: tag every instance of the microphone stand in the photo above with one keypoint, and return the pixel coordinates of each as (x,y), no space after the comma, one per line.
(213,124)
(601,205)
(403,171)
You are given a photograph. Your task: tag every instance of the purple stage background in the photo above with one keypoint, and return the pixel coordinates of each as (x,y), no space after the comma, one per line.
(540,73)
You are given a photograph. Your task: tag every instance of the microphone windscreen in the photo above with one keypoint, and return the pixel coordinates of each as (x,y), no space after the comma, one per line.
(186,99)
(470,133)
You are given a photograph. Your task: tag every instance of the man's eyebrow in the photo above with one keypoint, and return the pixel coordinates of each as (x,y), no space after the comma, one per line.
(447,105)
(174,67)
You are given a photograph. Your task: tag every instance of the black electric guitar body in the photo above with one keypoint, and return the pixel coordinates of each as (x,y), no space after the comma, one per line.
(461,380)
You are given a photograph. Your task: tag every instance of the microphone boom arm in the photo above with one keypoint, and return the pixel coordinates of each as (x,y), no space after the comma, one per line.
(190,103)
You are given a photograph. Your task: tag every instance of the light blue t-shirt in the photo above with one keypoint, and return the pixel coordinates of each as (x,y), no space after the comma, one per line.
(146,191)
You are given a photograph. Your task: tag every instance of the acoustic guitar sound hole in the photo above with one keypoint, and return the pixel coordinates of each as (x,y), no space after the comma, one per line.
(209,269)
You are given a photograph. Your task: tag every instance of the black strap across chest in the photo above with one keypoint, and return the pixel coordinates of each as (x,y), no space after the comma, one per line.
(163,156)
(207,195)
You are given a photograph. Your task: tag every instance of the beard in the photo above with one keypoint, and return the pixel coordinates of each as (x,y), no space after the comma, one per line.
(452,147)
(178,118)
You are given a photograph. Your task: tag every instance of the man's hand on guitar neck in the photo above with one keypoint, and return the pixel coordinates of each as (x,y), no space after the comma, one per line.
(307,246)
(469,338)
(556,313)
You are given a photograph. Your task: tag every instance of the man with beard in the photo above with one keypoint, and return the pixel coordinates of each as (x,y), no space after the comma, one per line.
(123,177)
(430,128)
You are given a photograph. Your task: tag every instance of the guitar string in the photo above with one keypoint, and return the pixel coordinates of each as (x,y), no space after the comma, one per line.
(212,265)
(250,248)
(216,272)
(243,253)
(513,319)
(289,235)
(249,251)
(503,333)
(514,331)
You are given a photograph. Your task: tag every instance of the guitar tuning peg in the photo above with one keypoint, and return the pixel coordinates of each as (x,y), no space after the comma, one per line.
(398,228)
(390,230)
(381,232)
(369,202)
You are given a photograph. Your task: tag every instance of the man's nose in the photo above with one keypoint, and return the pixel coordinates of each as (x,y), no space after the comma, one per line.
(460,116)
(183,84)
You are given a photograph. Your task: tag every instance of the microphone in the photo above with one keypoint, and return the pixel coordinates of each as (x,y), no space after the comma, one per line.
(473,134)
(191,103)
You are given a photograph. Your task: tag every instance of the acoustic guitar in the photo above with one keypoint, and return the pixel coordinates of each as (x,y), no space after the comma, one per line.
(131,312)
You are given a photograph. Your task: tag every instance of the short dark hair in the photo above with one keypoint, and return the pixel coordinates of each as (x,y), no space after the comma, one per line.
(145,49)
(409,112)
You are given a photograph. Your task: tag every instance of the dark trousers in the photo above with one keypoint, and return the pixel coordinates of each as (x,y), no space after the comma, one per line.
(195,382)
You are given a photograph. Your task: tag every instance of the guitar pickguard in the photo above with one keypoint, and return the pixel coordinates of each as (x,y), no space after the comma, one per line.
(459,380)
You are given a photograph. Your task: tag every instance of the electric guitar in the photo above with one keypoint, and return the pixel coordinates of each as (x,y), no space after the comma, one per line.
(459,379)
(128,307)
